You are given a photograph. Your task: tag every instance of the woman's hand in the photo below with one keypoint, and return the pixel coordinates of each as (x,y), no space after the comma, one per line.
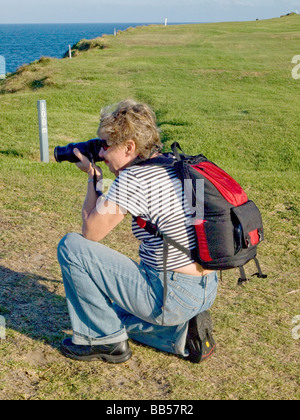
(85,165)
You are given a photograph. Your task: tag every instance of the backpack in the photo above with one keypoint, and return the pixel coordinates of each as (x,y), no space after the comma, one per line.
(228,228)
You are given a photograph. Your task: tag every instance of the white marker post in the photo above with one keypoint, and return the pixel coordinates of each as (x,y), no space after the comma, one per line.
(70,52)
(2,67)
(166,21)
(2,328)
(43,129)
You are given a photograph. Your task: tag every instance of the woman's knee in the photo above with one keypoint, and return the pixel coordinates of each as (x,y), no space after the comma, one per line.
(67,244)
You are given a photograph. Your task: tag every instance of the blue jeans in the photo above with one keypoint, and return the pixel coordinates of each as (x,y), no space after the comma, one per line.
(111,297)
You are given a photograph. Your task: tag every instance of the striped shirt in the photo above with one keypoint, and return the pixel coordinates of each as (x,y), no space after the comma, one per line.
(156,194)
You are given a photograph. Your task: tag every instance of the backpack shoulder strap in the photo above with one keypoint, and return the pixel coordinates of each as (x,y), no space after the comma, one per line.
(153,230)
(175,149)
(166,159)
(183,158)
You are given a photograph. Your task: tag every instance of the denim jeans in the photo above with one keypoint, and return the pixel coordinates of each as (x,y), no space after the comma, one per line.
(111,297)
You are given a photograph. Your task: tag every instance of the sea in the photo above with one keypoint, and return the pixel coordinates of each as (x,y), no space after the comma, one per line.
(23,43)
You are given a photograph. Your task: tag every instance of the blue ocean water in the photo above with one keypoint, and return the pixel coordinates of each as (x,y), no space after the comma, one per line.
(21,44)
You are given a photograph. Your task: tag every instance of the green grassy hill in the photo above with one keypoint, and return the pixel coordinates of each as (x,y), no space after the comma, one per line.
(225,90)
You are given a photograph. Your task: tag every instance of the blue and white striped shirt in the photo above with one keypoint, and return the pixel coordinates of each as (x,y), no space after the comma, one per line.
(155,193)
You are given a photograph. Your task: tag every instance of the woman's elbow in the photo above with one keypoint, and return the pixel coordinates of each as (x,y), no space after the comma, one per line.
(91,234)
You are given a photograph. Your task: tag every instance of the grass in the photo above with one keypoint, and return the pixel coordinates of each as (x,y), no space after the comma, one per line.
(224,90)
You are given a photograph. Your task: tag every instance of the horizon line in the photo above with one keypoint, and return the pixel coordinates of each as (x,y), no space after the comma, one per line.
(139,23)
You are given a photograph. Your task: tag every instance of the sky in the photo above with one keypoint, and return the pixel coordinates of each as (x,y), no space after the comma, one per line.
(141,11)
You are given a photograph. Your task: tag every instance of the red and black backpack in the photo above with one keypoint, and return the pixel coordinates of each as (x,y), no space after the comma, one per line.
(230,226)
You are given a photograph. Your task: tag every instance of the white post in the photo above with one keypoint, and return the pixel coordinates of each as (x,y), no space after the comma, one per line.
(2,67)
(70,52)
(2,328)
(115,32)
(166,21)
(43,130)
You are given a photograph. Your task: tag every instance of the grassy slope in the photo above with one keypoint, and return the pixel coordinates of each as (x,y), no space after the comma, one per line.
(221,89)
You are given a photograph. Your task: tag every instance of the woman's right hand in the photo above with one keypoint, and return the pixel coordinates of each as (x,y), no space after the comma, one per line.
(86,165)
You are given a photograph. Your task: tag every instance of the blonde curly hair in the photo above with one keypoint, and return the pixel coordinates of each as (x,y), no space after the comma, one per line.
(131,121)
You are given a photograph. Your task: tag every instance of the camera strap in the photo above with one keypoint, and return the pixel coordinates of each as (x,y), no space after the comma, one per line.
(94,176)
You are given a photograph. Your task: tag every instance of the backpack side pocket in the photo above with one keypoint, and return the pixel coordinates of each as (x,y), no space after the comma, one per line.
(250,220)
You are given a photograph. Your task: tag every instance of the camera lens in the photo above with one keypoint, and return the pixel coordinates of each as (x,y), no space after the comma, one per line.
(90,149)
(56,154)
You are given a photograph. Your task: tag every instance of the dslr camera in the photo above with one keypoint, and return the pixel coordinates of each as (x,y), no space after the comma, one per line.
(90,149)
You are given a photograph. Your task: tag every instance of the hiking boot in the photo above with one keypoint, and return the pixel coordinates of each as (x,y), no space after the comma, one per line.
(111,353)
(199,341)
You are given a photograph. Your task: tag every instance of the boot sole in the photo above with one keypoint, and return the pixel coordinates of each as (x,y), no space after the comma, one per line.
(202,326)
(109,358)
